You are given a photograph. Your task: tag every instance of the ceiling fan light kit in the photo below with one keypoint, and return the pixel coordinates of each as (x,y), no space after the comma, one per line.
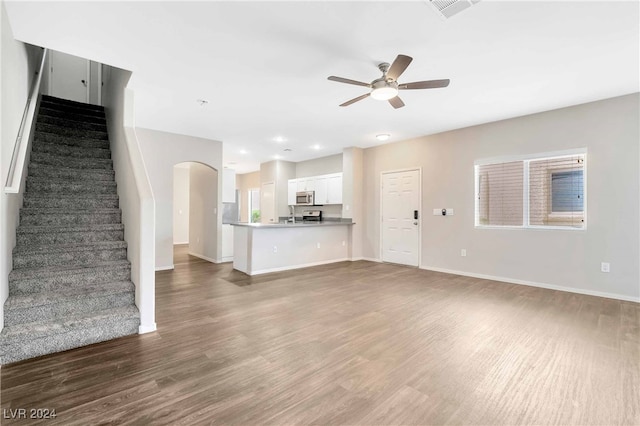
(386,87)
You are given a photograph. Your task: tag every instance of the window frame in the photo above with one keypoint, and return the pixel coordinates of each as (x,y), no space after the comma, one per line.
(551,216)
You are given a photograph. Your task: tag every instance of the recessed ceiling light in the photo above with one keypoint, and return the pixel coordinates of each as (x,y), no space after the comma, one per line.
(279,139)
(316,147)
(277,157)
(383,137)
(243,151)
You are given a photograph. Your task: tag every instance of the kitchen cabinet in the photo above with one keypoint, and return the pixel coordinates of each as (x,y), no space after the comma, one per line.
(327,188)
(227,243)
(306,184)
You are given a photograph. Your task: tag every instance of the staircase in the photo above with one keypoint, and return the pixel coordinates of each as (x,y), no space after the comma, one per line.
(71,281)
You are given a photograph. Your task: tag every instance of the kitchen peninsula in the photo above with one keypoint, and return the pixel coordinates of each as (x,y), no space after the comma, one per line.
(261,248)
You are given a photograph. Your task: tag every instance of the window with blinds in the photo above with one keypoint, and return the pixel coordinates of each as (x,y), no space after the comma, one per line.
(534,192)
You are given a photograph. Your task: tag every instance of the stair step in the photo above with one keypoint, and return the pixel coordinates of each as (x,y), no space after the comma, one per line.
(72,124)
(71,151)
(29,340)
(26,235)
(61,217)
(73,254)
(71,109)
(39,170)
(91,117)
(50,306)
(65,186)
(76,163)
(60,278)
(68,201)
(69,103)
(46,137)
(65,131)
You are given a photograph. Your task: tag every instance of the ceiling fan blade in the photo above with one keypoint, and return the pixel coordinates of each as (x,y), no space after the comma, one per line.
(431,84)
(398,66)
(396,102)
(354,100)
(346,80)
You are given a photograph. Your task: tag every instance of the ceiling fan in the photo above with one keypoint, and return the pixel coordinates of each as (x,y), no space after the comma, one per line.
(386,87)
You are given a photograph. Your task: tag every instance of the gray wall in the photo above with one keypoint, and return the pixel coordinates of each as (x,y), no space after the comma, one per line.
(568,259)
(319,166)
(19,64)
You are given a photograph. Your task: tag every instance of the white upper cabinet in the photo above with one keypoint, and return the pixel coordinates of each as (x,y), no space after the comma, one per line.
(228,186)
(327,188)
(334,189)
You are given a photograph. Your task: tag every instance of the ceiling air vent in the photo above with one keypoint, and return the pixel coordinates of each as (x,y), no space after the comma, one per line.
(448,8)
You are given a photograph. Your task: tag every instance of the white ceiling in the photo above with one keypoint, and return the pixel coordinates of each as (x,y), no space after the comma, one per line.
(263,66)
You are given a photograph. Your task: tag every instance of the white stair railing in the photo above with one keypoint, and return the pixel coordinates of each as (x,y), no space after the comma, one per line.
(19,156)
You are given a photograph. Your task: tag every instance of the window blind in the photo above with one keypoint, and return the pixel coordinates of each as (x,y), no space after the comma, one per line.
(556,191)
(533,192)
(500,194)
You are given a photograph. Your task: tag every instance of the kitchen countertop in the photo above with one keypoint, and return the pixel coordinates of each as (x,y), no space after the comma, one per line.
(294,225)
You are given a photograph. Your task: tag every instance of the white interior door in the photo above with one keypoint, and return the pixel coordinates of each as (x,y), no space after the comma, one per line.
(268,203)
(69,77)
(401,217)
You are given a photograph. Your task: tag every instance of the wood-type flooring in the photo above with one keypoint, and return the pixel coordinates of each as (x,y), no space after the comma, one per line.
(347,343)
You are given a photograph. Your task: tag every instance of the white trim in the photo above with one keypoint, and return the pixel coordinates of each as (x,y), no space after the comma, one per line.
(147,328)
(164,268)
(208,259)
(535,284)
(420,210)
(226,259)
(304,265)
(176,243)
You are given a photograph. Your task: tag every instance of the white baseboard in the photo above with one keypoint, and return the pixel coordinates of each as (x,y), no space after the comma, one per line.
(226,259)
(147,328)
(180,243)
(535,284)
(164,268)
(208,259)
(370,259)
(305,265)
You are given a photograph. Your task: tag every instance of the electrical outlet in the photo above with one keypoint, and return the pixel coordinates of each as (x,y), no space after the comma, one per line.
(275,249)
(463,252)
(318,245)
(437,212)
(449,212)
(344,243)
(605,267)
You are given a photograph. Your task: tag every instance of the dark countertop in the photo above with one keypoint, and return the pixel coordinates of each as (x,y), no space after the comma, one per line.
(298,224)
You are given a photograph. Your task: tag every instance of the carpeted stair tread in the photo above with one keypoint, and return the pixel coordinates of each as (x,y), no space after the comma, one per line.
(54,305)
(71,150)
(52,297)
(46,137)
(81,115)
(62,130)
(68,173)
(38,330)
(67,228)
(71,201)
(38,272)
(74,124)
(56,185)
(38,248)
(62,101)
(63,161)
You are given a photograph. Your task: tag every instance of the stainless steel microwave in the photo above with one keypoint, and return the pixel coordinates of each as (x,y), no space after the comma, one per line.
(305,198)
